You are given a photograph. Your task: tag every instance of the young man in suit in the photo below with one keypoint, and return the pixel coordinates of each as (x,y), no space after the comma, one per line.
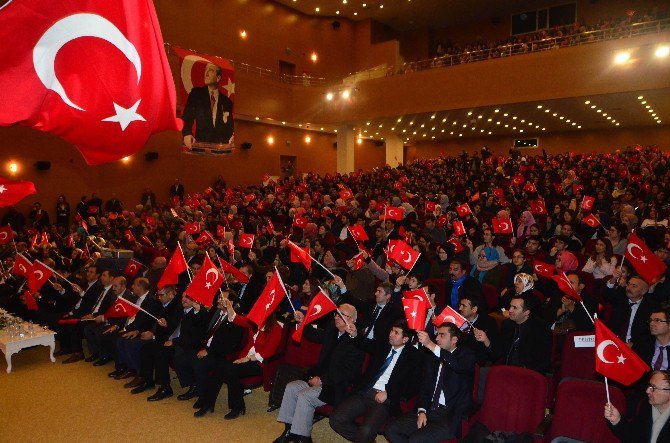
(446,391)
(339,364)
(630,313)
(390,377)
(473,308)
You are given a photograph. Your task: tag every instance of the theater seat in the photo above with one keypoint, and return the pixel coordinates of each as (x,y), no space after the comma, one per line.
(579,411)
(270,364)
(491,294)
(514,400)
(441,297)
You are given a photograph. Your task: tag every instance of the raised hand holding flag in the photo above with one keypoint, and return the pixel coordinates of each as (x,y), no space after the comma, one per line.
(320,305)
(614,359)
(176,266)
(450,315)
(591,221)
(358,233)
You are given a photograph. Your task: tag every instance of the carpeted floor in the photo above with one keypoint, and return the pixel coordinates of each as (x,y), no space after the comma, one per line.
(42,401)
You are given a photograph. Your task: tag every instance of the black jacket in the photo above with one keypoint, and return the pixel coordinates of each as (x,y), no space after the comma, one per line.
(172,314)
(142,321)
(339,363)
(487,324)
(620,314)
(534,344)
(192,331)
(638,430)
(403,383)
(226,339)
(198,109)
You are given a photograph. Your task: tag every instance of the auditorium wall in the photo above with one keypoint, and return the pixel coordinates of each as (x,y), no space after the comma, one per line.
(562,142)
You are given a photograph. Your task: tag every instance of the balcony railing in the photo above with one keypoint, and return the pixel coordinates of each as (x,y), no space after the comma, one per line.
(509,50)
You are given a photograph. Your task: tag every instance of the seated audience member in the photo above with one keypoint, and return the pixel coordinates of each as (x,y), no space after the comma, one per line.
(473,308)
(566,314)
(487,269)
(445,394)
(221,342)
(389,378)
(132,328)
(489,242)
(262,343)
(630,310)
(459,283)
(184,342)
(602,262)
(518,265)
(338,366)
(650,423)
(525,339)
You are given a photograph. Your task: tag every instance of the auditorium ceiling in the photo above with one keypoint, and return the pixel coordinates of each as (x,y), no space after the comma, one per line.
(411,14)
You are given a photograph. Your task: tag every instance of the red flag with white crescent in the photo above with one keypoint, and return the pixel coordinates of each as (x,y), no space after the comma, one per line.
(419,294)
(205,284)
(320,305)
(565,285)
(232,270)
(41,273)
(268,300)
(645,262)
(6,234)
(12,191)
(358,232)
(300,255)
(463,210)
(132,268)
(543,269)
(591,220)
(403,254)
(614,359)
(502,225)
(393,213)
(106,94)
(22,266)
(587,203)
(415,312)
(449,315)
(176,266)
(246,241)
(537,207)
(122,308)
(459,228)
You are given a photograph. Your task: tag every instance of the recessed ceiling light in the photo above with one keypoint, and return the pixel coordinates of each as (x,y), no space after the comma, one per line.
(622,57)
(599,110)
(546,110)
(496,110)
(432,117)
(567,121)
(640,97)
(444,120)
(507,126)
(644,102)
(561,117)
(662,51)
(470,113)
(355,13)
(593,106)
(411,123)
(337,12)
(539,106)
(393,128)
(555,114)
(574,124)
(587,102)
(454,123)
(422,125)
(579,127)
(505,114)
(497,123)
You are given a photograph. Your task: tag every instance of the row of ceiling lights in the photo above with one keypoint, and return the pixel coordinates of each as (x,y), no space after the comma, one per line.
(596,109)
(560,117)
(345,2)
(649,109)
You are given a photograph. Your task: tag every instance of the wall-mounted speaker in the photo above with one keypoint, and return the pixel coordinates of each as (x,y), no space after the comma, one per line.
(246,145)
(379,143)
(151,156)
(42,165)
(335,145)
(336,25)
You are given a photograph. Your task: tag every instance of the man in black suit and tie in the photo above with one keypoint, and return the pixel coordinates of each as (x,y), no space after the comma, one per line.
(177,190)
(446,391)
(473,308)
(630,313)
(390,377)
(133,326)
(184,340)
(248,293)
(211,110)
(221,341)
(168,318)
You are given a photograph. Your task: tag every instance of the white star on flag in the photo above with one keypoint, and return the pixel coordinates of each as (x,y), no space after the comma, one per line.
(230,87)
(208,285)
(125,116)
(2,189)
(621,359)
(644,259)
(413,313)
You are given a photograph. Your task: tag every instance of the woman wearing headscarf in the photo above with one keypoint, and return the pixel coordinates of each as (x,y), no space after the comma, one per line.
(523,286)
(525,222)
(566,262)
(440,265)
(487,269)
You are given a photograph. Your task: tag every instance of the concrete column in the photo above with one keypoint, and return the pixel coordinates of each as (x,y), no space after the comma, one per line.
(394,151)
(345,149)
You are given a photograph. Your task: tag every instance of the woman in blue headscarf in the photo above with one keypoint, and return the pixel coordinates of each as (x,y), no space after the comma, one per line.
(487,269)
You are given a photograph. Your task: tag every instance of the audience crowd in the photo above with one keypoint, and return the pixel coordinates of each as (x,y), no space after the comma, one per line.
(364,359)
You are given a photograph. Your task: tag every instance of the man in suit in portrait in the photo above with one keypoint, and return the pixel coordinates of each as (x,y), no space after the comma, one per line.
(210,109)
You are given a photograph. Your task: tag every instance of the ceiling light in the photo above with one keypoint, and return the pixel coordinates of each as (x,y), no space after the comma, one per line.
(470,113)
(355,13)
(617,124)
(479,116)
(308,139)
(662,51)
(640,97)
(329,96)
(317,9)
(497,123)
(505,114)
(344,2)
(489,132)
(258,118)
(507,126)
(587,102)
(444,120)
(555,114)
(454,123)
(364,5)
(243,34)
(539,106)
(393,128)
(567,121)
(432,117)
(411,123)
(544,129)
(496,110)
(520,130)
(579,127)
(346,93)
(359,141)
(574,124)
(593,106)
(422,125)
(609,118)
(546,110)
(399,120)
(381,6)
(644,102)
(270,140)
(658,121)
(367,123)
(648,106)
(337,12)
(622,57)
(283,123)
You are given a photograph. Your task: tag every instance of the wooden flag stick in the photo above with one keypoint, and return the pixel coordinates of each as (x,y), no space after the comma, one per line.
(285,291)
(587,312)
(607,391)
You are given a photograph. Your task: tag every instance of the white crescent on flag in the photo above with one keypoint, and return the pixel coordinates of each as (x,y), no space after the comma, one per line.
(3,235)
(409,257)
(317,310)
(630,248)
(272,299)
(132,267)
(601,350)
(504,226)
(22,268)
(119,308)
(41,274)
(541,268)
(392,212)
(450,319)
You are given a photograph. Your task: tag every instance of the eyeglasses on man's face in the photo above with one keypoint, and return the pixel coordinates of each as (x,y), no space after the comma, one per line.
(656,388)
(656,320)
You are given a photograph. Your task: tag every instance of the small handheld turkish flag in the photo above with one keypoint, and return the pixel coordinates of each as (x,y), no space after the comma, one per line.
(132,268)
(614,359)
(31,304)
(130,238)
(22,266)
(449,315)
(176,266)
(220,231)
(300,255)
(591,220)
(645,262)
(543,269)
(458,246)
(419,294)
(268,300)
(587,203)
(232,270)
(459,228)
(393,213)
(403,253)
(498,192)
(415,312)
(270,227)
(518,180)
(12,192)
(320,305)
(530,187)
(122,308)
(358,233)
(246,241)
(204,238)
(299,221)
(442,220)
(565,285)
(359,261)
(205,284)
(94,73)
(346,194)
(6,234)
(41,273)
(463,210)
(192,228)
(537,207)
(502,225)
(430,207)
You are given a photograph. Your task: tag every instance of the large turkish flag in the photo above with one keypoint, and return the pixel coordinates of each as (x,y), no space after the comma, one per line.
(92,72)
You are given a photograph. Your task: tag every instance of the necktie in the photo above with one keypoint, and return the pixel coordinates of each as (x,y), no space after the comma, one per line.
(99,301)
(375,314)
(659,361)
(439,385)
(212,101)
(212,331)
(381,370)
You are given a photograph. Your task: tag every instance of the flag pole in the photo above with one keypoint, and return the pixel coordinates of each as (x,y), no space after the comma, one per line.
(285,291)
(607,391)
(188,268)
(623,259)
(587,312)
(313,259)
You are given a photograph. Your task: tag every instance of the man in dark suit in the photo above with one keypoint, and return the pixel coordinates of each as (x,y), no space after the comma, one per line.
(114,341)
(221,341)
(524,340)
(446,391)
(168,318)
(84,300)
(459,283)
(338,365)
(185,339)
(210,109)
(177,190)
(248,293)
(390,377)
(630,313)
(473,308)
